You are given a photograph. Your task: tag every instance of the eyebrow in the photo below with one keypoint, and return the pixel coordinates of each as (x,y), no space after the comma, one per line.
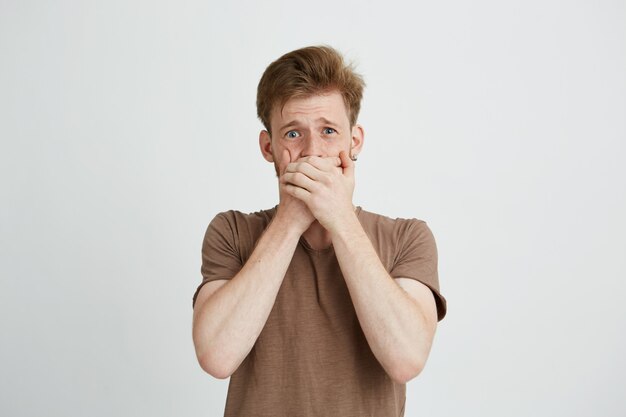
(296,122)
(292,123)
(327,122)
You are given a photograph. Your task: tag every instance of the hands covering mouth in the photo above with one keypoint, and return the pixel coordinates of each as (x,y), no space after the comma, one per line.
(323,187)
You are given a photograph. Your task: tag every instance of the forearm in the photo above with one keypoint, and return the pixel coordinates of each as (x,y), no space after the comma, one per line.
(393,323)
(228,323)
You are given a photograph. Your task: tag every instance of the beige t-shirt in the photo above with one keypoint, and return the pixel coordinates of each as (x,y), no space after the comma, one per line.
(312,358)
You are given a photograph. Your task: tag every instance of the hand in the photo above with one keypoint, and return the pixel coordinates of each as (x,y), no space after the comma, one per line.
(325,185)
(290,209)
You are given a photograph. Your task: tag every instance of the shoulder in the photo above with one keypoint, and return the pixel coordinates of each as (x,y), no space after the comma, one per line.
(395,238)
(236,220)
(393,227)
(256,216)
(407,248)
(238,230)
(398,238)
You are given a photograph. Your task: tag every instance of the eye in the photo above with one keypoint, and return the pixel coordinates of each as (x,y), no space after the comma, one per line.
(329,131)
(292,134)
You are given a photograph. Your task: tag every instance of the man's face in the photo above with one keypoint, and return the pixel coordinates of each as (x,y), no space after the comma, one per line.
(313,126)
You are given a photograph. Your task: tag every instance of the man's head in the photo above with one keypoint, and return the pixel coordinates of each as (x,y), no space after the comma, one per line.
(306,72)
(310,100)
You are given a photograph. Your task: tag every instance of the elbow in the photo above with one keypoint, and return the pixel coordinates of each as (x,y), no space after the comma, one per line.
(409,364)
(406,371)
(209,357)
(215,368)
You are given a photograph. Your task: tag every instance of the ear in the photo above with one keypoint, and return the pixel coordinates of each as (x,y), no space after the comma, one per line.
(265,143)
(358,136)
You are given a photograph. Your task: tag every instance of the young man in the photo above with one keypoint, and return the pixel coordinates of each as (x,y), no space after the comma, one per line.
(315,307)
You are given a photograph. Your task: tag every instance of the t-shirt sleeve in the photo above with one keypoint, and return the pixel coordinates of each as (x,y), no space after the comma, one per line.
(220,252)
(417,259)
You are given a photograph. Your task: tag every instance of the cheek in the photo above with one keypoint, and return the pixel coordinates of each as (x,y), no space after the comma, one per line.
(291,147)
(342,143)
(294,147)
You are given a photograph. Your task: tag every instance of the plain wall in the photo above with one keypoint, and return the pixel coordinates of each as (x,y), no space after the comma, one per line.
(125,126)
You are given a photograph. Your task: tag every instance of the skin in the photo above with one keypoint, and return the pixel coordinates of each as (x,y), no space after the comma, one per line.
(310,145)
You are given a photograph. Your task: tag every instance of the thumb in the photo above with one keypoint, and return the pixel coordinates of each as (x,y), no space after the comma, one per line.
(284,161)
(347,164)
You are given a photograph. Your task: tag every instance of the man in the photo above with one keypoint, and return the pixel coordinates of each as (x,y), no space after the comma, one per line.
(315,307)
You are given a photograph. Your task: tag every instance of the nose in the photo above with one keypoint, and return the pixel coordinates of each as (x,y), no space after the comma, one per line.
(313,146)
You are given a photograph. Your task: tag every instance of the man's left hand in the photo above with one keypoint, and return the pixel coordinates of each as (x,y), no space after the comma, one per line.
(325,185)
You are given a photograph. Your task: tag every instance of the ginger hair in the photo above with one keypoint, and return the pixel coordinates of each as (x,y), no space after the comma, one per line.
(306,72)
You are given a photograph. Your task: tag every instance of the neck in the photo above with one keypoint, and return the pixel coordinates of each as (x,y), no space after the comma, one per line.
(317,237)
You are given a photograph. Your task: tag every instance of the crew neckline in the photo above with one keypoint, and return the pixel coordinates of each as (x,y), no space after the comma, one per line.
(330,247)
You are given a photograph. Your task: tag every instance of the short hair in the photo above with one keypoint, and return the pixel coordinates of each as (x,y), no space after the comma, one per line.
(306,72)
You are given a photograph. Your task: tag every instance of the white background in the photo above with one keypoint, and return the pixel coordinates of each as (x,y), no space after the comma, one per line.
(127,125)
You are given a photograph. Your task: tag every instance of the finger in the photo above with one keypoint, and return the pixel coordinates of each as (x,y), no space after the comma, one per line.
(299,179)
(284,161)
(297,192)
(320,159)
(347,164)
(324,164)
(306,169)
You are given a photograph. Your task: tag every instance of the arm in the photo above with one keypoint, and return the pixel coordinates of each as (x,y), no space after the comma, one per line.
(228,320)
(398,317)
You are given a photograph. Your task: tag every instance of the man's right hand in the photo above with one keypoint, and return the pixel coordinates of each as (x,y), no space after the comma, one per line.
(291,210)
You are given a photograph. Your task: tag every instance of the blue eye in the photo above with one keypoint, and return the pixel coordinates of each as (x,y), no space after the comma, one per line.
(329,131)
(292,134)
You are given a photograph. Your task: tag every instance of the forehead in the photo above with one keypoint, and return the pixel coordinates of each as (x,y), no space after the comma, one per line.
(329,105)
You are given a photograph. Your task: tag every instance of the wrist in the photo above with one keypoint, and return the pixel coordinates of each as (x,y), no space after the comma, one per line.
(292,228)
(345,226)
